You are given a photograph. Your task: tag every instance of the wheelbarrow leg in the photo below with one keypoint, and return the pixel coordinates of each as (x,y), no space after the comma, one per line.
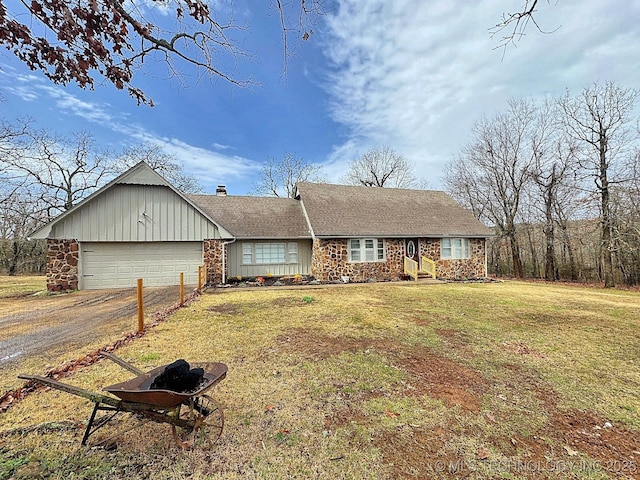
(87,432)
(102,421)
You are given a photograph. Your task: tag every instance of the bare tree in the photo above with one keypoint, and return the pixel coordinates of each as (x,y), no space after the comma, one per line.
(553,168)
(600,118)
(21,212)
(278,178)
(74,42)
(59,171)
(562,173)
(461,181)
(164,163)
(493,170)
(381,167)
(625,209)
(11,133)
(19,209)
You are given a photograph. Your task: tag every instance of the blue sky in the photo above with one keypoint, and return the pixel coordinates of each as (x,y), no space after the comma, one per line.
(414,76)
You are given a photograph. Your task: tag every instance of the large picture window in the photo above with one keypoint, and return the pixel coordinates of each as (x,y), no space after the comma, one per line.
(366,250)
(454,248)
(269,253)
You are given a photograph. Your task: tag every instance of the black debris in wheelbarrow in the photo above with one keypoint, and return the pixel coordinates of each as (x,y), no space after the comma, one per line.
(178,377)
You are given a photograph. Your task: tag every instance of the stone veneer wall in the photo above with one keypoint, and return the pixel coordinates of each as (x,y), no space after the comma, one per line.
(212,254)
(330,261)
(473,267)
(62,264)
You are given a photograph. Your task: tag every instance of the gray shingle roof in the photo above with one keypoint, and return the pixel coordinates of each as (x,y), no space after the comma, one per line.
(255,217)
(345,211)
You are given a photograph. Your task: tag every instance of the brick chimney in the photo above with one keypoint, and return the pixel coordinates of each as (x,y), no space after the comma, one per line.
(221,191)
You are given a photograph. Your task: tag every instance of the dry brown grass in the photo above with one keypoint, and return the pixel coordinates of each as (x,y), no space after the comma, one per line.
(377,381)
(19,286)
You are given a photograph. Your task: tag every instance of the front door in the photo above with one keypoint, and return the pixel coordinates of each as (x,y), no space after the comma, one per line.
(411,249)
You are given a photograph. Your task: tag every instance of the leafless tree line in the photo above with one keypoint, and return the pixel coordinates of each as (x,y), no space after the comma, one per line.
(377,167)
(542,173)
(43,175)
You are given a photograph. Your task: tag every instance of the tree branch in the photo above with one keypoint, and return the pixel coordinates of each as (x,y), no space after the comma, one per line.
(516,24)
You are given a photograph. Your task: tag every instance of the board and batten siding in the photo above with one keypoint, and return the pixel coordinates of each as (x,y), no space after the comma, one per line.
(237,269)
(136,213)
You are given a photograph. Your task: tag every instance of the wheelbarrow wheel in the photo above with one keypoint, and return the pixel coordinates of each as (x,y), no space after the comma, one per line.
(208,421)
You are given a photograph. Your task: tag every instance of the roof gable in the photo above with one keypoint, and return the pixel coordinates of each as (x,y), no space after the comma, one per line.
(139,174)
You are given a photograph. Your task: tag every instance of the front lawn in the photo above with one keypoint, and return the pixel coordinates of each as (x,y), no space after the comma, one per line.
(500,380)
(22,285)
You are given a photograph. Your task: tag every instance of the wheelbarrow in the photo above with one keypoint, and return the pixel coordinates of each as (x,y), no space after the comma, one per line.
(195,417)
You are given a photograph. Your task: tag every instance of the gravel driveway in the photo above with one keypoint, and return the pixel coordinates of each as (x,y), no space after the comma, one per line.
(35,325)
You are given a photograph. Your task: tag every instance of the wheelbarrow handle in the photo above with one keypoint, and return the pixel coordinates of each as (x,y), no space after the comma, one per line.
(64,387)
(122,363)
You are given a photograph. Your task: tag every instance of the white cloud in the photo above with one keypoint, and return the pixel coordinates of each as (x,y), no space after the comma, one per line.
(22,86)
(93,112)
(209,166)
(31,88)
(416,75)
(25,93)
(338,162)
(219,146)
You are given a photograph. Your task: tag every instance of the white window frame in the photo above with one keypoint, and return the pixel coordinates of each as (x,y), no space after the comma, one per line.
(292,252)
(455,248)
(256,256)
(247,254)
(366,250)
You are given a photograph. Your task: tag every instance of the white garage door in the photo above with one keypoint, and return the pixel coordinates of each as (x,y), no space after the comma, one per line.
(119,265)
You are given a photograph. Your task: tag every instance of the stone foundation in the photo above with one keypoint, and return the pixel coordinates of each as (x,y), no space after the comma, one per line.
(62,265)
(212,249)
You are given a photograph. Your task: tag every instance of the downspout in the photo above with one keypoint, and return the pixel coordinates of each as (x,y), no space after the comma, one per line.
(313,235)
(486,269)
(224,269)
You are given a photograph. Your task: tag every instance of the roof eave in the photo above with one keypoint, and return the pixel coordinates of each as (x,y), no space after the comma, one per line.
(365,235)
(260,237)
(408,235)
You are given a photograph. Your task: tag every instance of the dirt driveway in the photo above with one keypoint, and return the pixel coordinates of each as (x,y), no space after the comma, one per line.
(34,325)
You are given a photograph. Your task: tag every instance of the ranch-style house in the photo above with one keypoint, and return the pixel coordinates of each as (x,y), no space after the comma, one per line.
(140,226)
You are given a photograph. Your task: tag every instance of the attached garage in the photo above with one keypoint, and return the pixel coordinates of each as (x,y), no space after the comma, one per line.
(119,265)
(137,226)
